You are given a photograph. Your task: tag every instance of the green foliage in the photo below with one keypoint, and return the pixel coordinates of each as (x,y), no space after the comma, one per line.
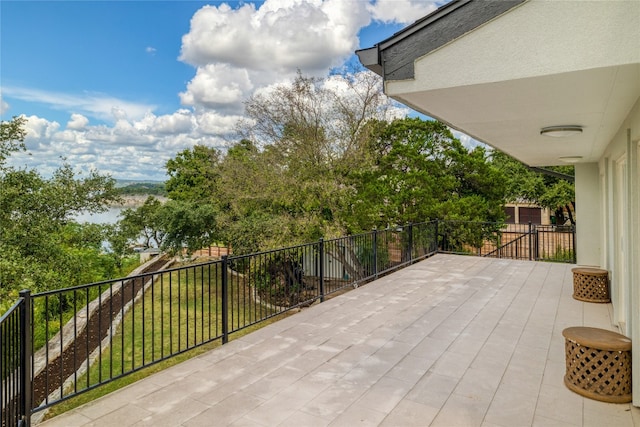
(321,159)
(173,226)
(143,189)
(193,174)
(142,222)
(187,225)
(12,136)
(41,246)
(561,254)
(419,172)
(545,190)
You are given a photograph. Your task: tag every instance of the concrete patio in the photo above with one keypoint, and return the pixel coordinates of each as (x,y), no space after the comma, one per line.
(449,341)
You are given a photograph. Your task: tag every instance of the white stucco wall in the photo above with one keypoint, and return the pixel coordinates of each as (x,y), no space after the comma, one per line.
(619,179)
(588,223)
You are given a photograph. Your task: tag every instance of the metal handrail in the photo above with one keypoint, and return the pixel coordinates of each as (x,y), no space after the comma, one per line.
(89,335)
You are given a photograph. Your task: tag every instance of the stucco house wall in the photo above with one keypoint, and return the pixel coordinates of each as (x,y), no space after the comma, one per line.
(619,177)
(514,72)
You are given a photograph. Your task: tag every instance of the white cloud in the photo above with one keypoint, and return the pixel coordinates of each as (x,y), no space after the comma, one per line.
(96,105)
(401,11)
(281,35)
(38,128)
(211,123)
(236,53)
(238,50)
(218,86)
(179,122)
(77,122)
(132,149)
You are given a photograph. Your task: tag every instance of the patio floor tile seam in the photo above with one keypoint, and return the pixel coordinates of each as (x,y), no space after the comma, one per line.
(384,374)
(505,280)
(500,383)
(496,389)
(376,373)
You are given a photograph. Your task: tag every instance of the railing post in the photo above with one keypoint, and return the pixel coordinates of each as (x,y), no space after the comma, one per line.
(25,358)
(536,243)
(375,253)
(321,263)
(225,299)
(410,242)
(530,243)
(573,238)
(437,237)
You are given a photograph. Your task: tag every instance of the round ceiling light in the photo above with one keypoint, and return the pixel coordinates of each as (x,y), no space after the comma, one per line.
(570,159)
(561,131)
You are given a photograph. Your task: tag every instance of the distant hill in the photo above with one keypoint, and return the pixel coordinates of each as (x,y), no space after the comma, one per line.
(144,188)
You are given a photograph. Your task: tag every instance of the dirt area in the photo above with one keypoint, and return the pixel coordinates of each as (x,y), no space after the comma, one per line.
(62,366)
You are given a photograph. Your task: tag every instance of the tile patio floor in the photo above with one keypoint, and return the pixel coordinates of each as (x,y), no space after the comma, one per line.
(449,341)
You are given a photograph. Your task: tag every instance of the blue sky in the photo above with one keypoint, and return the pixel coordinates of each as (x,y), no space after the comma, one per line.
(122,86)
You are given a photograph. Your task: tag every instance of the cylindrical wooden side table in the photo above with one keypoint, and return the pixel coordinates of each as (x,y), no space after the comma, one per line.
(591,284)
(598,364)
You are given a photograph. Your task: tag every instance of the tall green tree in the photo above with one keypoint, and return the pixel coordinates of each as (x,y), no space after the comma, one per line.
(418,171)
(41,246)
(546,190)
(193,174)
(323,158)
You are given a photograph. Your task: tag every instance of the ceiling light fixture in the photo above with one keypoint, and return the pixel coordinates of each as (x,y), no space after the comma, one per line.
(561,131)
(570,159)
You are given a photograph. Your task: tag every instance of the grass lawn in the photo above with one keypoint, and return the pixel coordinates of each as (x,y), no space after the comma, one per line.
(180,314)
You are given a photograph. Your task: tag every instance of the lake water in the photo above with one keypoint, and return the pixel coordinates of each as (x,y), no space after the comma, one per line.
(110,216)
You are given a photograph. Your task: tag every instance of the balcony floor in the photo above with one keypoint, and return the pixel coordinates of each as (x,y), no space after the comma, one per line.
(449,341)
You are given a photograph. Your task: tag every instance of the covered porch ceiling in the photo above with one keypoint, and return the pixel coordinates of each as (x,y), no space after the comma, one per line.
(509,115)
(503,77)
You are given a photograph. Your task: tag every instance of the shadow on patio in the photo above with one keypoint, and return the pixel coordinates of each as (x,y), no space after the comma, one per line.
(449,341)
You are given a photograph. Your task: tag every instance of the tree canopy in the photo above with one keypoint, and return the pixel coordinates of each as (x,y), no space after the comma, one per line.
(546,190)
(417,171)
(41,246)
(328,157)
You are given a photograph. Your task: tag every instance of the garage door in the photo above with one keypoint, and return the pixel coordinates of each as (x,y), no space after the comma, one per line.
(511,214)
(533,215)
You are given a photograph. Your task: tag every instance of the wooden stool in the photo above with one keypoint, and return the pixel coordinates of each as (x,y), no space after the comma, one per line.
(598,364)
(591,284)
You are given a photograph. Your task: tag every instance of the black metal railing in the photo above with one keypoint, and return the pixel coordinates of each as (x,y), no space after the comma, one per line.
(513,241)
(61,343)
(15,393)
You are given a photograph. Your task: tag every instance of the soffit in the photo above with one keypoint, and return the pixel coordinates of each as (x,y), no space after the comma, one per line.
(540,64)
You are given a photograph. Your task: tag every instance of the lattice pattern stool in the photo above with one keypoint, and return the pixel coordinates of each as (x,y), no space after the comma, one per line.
(598,364)
(591,284)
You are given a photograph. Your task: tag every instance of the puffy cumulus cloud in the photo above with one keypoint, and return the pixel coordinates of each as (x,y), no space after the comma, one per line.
(401,11)
(78,121)
(131,149)
(238,50)
(89,104)
(38,128)
(218,86)
(281,34)
(177,123)
(213,124)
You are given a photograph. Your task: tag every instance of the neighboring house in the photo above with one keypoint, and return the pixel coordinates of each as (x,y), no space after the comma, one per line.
(524,213)
(546,82)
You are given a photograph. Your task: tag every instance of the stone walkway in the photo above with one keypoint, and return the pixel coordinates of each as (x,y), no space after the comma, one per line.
(449,341)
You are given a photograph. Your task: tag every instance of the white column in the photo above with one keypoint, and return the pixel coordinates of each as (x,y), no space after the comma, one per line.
(588,214)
